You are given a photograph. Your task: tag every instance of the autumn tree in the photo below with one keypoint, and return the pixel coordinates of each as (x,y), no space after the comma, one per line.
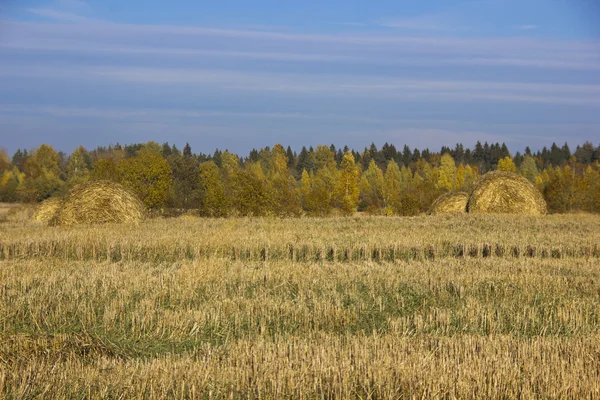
(283,196)
(213,202)
(42,175)
(322,196)
(528,168)
(250,191)
(591,180)
(105,169)
(78,166)
(507,164)
(4,161)
(391,188)
(10,180)
(149,176)
(371,188)
(348,185)
(564,191)
(447,173)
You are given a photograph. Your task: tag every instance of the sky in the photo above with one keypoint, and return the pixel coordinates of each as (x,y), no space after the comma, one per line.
(238,75)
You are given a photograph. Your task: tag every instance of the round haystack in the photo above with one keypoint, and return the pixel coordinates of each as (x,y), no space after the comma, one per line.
(501,192)
(46,210)
(450,203)
(99,202)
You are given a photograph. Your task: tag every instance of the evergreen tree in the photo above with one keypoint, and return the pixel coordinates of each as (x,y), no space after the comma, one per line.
(19,159)
(166,150)
(407,156)
(557,157)
(187,150)
(583,154)
(185,190)
(291,158)
(479,156)
(305,161)
(566,151)
(459,153)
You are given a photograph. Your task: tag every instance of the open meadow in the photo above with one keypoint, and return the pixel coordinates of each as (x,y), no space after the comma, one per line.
(468,306)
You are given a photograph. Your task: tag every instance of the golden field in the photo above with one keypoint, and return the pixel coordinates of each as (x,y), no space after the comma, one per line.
(367,307)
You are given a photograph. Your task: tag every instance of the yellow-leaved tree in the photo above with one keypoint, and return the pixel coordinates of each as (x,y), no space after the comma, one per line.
(391,189)
(371,188)
(283,195)
(507,164)
(447,173)
(149,176)
(78,166)
(348,184)
(213,202)
(42,175)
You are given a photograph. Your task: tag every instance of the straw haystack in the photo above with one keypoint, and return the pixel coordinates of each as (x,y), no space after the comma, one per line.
(99,202)
(450,203)
(46,210)
(502,192)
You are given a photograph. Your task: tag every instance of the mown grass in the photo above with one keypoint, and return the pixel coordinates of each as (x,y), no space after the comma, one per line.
(218,326)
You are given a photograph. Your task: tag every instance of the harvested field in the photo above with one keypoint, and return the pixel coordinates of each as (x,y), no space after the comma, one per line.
(369,307)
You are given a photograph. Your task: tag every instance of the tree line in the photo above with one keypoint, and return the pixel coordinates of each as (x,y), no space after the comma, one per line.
(316,181)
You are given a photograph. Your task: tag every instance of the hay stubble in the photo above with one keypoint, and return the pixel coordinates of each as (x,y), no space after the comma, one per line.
(218,327)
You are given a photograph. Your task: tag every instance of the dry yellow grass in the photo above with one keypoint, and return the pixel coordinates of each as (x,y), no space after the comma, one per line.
(99,202)
(503,192)
(450,203)
(186,312)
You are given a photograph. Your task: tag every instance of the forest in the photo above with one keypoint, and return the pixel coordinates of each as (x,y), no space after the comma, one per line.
(317,181)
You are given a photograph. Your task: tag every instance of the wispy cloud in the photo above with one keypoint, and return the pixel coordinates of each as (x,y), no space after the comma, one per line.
(528,27)
(203,43)
(323,85)
(59,15)
(418,24)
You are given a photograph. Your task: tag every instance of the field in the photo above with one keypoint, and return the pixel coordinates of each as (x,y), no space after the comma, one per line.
(367,307)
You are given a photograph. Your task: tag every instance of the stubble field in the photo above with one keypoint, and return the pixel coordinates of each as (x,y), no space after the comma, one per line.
(366,307)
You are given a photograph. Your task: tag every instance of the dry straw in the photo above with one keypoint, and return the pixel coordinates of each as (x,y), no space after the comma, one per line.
(99,202)
(46,210)
(450,203)
(502,192)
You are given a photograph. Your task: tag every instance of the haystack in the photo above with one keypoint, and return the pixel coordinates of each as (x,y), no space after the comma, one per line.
(100,202)
(450,203)
(502,192)
(46,210)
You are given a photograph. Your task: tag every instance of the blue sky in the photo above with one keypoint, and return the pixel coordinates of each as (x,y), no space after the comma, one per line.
(236,74)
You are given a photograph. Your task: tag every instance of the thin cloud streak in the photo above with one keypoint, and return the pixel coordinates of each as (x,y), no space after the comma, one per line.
(477,45)
(528,27)
(129,40)
(325,84)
